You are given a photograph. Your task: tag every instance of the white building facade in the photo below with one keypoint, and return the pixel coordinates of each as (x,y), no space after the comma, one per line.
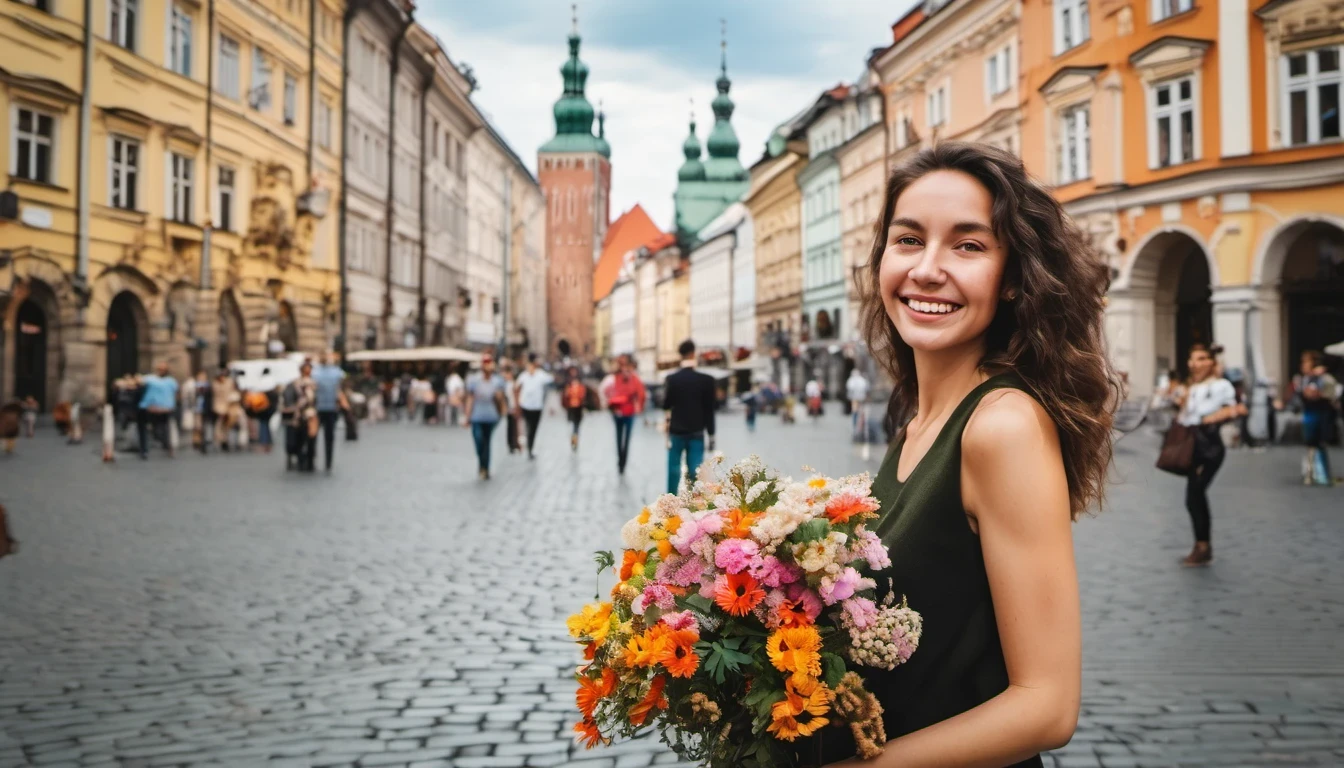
(487,220)
(623,315)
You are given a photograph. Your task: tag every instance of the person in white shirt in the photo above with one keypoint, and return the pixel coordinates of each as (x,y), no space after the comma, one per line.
(1209,401)
(856,391)
(455,389)
(531,392)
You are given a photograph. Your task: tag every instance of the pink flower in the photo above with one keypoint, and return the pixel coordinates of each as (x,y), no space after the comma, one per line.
(707,586)
(772,572)
(868,546)
(734,555)
(805,598)
(693,530)
(680,620)
(659,595)
(859,612)
(681,571)
(837,588)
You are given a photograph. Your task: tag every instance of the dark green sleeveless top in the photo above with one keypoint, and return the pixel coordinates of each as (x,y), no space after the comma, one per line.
(937,564)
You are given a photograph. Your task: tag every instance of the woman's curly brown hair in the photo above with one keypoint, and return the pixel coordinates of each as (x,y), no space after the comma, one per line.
(1051,334)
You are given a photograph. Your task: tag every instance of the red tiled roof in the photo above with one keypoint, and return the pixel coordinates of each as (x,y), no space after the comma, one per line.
(633,229)
(907,23)
(839,92)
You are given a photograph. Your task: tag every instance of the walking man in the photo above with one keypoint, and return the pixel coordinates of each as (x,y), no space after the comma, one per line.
(531,389)
(486,405)
(625,398)
(330,402)
(456,390)
(158,403)
(690,398)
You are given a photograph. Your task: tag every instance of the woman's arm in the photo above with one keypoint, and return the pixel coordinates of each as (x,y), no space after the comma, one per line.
(1014,486)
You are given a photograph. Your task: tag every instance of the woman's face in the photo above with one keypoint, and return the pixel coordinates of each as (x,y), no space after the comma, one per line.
(942,268)
(1200,363)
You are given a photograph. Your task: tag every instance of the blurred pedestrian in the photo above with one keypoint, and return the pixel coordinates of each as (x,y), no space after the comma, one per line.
(11,415)
(260,407)
(330,402)
(575,400)
(531,387)
(30,409)
(109,432)
(226,404)
(8,544)
(1319,393)
(157,404)
(856,394)
(751,401)
(485,405)
(1209,402)
(456,389)
(305,417)
(204,406)
(625,398)
(812,391)
(290,398)
(512,430)
(690,398)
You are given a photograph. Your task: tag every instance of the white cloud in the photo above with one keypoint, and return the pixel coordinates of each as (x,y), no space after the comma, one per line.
(646,101)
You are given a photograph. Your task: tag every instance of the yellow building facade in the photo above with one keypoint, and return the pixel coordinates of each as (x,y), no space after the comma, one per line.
(199,228)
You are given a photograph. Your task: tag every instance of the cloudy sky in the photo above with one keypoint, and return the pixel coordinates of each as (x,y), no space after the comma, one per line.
(648,59)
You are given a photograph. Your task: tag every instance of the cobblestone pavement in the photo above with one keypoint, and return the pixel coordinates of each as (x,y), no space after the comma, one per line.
(219,611)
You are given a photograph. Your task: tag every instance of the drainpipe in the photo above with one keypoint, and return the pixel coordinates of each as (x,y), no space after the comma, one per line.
(351,10)
(208,229)
(81,280)
(312,92)
(390,215)
(424,175)
(508,256)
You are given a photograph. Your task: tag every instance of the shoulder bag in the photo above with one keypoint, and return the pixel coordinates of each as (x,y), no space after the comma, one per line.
(1178,450)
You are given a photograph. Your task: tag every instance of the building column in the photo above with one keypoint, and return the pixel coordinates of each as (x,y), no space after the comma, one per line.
(1246,323)
(1131,333)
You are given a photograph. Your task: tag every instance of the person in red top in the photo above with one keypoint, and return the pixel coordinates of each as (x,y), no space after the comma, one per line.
(625,397)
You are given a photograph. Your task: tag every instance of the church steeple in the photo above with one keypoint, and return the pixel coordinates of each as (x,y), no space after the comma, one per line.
(573,112)
(723,145)
(692,169)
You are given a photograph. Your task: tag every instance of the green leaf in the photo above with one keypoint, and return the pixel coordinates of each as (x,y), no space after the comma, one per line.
(604,560)
(700,603)
(815,529)
(732,642)
(832,669)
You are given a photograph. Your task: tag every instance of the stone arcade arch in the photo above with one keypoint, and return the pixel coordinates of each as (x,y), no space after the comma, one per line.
(1299,271)
(1160,305)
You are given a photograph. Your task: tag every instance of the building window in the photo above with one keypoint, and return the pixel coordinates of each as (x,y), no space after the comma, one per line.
(34,136)
(1163,9)
(180,186)
(938,107)
(1172,128)
(224,214)
(1073,24)
(228,67)
(121,19)
(259,98)
(179,42)
(1074,146)
(41,5)
(291,102)
(998,71)
(323,128)
(123,173)
(1311,98)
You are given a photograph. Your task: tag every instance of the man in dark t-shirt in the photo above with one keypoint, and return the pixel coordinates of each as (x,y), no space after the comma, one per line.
(690,398)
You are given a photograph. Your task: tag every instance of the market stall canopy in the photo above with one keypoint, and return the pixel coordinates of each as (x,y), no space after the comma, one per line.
(719,374)
(414,355)
(1335,349)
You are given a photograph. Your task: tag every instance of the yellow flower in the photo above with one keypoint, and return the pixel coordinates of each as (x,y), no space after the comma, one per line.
(644,516)
(817,482)
(593,622)
(796,650)
(802,711)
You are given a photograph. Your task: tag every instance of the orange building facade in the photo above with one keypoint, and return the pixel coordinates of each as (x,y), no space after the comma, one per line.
(1199,144)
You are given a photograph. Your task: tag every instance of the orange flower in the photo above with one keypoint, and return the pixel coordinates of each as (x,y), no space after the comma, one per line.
(846,505)
(801,712)
(643,516)
(738,594)
(645,650)
(590,691)
(672,524)
(664,548)
(589,736)
(737,523)
(590,651)
(679,656)
(792,614)
(652,700)
(796,650)
(632,559)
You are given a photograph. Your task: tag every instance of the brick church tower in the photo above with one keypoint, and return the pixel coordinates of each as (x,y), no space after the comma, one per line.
(575,172)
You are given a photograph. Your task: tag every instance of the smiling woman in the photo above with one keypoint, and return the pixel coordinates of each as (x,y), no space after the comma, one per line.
(987,304)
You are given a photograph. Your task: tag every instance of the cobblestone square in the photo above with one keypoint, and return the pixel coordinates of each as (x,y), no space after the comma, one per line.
(219,611)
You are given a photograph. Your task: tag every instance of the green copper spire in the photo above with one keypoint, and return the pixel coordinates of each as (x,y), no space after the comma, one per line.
(723,145)
(602,145)
(573,112)
(692,169)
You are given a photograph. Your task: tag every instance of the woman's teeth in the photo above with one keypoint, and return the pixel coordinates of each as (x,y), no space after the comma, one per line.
(932,308)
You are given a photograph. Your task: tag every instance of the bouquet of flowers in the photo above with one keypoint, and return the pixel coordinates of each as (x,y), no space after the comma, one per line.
(741,609)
